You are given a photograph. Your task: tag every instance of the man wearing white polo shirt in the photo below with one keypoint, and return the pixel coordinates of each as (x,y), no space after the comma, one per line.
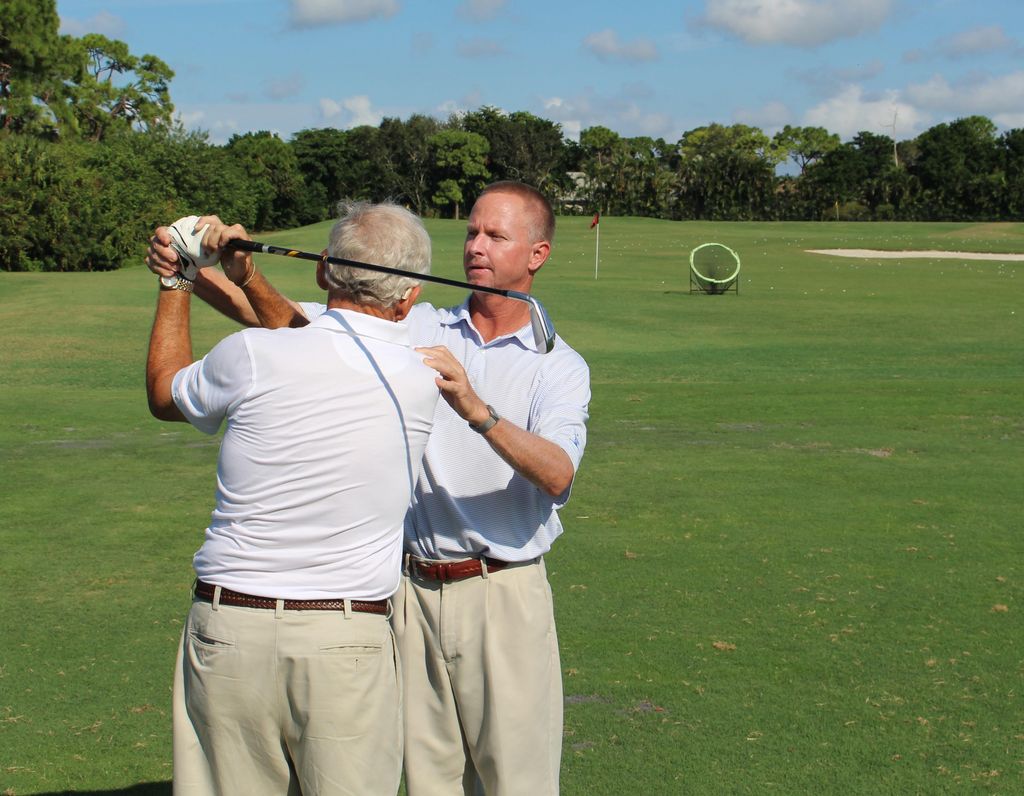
(287,677)
(473,615)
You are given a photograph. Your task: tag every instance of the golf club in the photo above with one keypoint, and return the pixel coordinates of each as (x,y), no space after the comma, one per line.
(543,329)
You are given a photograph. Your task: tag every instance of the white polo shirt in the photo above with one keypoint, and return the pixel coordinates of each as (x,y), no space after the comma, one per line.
(468,501)
(326,426)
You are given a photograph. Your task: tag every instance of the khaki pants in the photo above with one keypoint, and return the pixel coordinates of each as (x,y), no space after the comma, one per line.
(273,702)
(483,685)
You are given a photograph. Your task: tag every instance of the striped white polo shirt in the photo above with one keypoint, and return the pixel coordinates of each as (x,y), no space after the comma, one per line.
(468,501)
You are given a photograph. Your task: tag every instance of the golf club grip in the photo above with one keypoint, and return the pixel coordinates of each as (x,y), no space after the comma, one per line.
(266,248)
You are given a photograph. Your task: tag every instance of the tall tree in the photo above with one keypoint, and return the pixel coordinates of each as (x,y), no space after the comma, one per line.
(958,166)
(598,148)
(460,159)
(523,147)
(274,178)
(325,158)
(727,173)
(643,184)
(34,66)
(850,180)
(60,85)
(1011,145)
(118,91)
(805,145)
(406,163)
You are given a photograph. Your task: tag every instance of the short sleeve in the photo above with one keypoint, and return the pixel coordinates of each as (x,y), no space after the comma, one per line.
(208,389)
(561,409)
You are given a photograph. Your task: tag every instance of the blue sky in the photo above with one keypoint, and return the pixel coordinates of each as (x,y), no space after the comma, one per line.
(640,68)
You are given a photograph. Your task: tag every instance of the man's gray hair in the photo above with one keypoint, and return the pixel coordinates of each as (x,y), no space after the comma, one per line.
(384,234)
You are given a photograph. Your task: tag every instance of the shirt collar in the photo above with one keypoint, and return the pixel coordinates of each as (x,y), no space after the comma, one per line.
(460,315)
(362,325)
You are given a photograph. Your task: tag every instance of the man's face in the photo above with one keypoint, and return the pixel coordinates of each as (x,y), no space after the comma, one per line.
(499,251)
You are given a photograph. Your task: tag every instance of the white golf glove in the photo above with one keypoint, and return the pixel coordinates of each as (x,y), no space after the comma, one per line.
(188,243)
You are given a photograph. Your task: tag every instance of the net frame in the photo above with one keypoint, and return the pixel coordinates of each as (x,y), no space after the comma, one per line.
(710,284)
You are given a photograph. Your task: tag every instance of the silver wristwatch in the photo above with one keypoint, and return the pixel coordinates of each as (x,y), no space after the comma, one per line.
(488,424)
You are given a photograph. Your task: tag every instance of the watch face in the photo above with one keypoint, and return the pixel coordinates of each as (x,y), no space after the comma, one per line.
(168,281)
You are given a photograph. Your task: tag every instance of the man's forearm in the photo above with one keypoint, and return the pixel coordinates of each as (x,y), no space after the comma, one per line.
(540,461)
(257,304)
(170,350)
(273,310)
(213,287)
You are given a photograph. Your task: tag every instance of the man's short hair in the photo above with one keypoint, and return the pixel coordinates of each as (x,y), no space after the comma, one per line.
(542,219)
(384,234)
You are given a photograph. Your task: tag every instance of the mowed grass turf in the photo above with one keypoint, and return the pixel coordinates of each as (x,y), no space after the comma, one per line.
(792,560)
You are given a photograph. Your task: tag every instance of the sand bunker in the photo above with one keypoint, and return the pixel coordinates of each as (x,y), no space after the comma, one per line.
(931,255)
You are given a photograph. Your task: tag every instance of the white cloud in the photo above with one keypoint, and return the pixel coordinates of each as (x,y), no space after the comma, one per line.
(192,119)
(480,48)
(851,111)
(223,119)
(561,111)
(354,111)
(992,96)
(449,107)
(801,23)
(618,113)
(104,22)
(480,10)
(284,87)
(977,41)
(329,108)
(770,117)
(639,122)
(981,41)
(1009,121)
(606,46)
(309,13)
(362,112)
(824,79)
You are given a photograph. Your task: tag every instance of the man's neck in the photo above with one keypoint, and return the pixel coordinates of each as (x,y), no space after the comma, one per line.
(388,314)
(494,316)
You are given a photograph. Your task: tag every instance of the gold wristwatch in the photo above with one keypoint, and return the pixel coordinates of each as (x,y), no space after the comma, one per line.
(178,282)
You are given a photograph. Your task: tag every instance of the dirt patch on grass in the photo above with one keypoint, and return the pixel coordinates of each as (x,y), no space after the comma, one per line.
(929,255)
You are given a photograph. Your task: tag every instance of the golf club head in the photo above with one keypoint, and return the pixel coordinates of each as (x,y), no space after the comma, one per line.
(543,328)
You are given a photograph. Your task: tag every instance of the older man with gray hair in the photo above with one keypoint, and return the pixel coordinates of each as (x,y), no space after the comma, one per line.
(287,676)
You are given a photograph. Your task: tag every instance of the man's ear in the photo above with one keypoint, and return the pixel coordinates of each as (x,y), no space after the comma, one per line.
(321,273)
(404,305)
(539,255)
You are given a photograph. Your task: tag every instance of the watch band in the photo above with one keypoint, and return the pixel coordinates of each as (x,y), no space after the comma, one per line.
(488,424)
(178,282)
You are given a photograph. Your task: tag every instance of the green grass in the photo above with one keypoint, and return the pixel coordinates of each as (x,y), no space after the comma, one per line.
(792,560)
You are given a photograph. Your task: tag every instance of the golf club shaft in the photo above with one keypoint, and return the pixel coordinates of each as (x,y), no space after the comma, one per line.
(543,330)
(265,248)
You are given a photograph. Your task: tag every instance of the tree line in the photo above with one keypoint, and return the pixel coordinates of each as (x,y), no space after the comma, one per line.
(91,160)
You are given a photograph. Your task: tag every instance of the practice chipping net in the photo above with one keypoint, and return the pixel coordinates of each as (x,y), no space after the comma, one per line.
(714,268)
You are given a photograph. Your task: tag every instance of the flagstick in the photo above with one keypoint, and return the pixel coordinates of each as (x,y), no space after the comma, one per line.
(597,250)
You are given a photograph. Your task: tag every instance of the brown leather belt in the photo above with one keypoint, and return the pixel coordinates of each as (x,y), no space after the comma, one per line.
(445,571)
(205,591)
